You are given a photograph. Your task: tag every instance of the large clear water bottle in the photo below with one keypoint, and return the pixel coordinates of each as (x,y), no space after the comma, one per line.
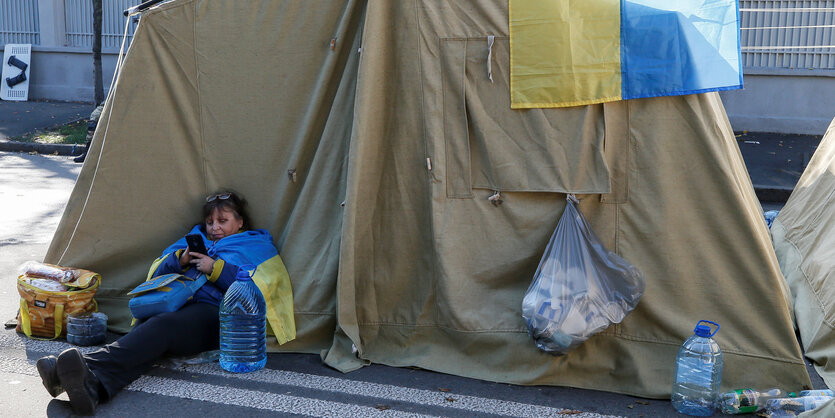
(243,325)
(698,372)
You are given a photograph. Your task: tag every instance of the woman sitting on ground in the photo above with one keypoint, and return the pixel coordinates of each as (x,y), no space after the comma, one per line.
(195,327)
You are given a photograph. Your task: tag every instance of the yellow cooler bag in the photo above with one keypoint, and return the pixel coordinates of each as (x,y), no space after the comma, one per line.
(43,313)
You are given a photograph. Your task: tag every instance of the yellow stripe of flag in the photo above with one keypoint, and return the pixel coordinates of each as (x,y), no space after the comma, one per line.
(564,52)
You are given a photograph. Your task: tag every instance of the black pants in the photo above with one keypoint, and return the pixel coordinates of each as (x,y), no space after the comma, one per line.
(193,329)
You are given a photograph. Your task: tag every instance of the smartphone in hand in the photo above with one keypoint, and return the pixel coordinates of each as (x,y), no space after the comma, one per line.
(195,244)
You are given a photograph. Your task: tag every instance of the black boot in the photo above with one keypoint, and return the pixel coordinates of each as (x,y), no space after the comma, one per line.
(49,375)
(81,384)
(80,158)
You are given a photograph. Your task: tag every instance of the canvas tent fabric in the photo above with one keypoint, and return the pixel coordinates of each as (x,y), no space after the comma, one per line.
(368,137)
(804,240)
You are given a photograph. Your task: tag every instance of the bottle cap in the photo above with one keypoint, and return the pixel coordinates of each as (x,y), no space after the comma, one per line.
(704,330)
(245,272)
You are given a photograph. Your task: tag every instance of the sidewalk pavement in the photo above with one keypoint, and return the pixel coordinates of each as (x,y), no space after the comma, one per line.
(774,161)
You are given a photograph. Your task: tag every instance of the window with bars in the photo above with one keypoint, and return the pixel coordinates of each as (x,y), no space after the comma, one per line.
(19,22)
(787,34)
(791,34)
(79,23)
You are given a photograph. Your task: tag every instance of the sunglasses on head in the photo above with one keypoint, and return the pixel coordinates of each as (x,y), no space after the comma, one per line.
(221,196)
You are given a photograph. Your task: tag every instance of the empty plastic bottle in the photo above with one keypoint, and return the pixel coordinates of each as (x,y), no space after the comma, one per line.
(746,401)
(770,216)
(792,407)
(243,325)
(817,392)
(87,328)
(698,372)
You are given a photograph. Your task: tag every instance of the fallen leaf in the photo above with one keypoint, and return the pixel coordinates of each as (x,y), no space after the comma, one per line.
(444,389)
(630,406)
(449,399)
(642,402)
(382,407)
(570,412)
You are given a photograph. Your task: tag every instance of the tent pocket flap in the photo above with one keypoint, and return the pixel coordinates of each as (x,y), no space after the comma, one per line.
(488,145)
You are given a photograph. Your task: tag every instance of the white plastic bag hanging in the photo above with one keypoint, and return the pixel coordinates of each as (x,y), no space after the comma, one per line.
(579,288)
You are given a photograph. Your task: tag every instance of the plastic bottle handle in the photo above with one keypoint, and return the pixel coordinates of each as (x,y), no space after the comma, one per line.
(710,322)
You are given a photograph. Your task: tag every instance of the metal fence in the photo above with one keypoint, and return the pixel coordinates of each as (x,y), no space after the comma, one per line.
(19,22)
(792,34)
(789,34)
(79,23)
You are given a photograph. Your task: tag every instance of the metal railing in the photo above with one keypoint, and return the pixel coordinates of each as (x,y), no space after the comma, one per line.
(791,34)
(79,22)
(19,22)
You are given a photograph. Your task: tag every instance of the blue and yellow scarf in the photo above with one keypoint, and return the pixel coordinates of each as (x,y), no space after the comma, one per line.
(253,247)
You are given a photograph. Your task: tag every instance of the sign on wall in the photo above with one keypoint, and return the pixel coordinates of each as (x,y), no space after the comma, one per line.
(14,84)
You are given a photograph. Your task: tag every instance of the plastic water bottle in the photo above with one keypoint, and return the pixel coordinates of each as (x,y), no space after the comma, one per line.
(746,401)
(770,216)
(86,328)
(243,325)
(792,407)
(817,392)
(698,373)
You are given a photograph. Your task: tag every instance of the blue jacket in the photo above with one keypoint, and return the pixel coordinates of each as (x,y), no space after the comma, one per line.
(247,247)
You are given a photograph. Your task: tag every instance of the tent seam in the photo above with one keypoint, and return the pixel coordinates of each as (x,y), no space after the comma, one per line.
(199,100)
(427,155)
(808,282)
(618,336)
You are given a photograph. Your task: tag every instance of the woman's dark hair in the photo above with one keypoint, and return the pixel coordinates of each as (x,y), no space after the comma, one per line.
(226,200)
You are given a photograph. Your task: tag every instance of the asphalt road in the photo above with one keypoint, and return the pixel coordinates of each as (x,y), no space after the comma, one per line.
(18,118)
(33,192)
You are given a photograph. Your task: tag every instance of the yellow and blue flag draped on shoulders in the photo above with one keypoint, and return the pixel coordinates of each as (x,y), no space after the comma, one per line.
(253,247)
(577,52)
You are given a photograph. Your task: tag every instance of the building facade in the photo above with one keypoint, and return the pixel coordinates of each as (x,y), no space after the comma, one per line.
(788,56)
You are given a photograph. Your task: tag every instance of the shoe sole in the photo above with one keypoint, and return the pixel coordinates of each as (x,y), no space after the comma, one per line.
(73,373)
(43,370)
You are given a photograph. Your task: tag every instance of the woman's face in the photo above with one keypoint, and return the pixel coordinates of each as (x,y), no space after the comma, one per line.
(222,223)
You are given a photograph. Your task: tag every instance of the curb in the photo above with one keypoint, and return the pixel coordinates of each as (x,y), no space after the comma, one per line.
(52,149)
(772,193)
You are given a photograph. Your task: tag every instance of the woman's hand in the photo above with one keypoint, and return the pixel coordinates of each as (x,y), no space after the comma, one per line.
(202,263)
(185,258)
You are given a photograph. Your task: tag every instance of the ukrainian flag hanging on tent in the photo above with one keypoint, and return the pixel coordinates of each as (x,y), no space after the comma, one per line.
(576,52)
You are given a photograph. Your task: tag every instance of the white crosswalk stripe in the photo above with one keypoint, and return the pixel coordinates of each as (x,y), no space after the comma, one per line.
(227,394)
(390,392)
(255,399)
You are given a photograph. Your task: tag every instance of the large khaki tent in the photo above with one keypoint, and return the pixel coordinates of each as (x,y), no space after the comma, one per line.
(368,138)
(804,240)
